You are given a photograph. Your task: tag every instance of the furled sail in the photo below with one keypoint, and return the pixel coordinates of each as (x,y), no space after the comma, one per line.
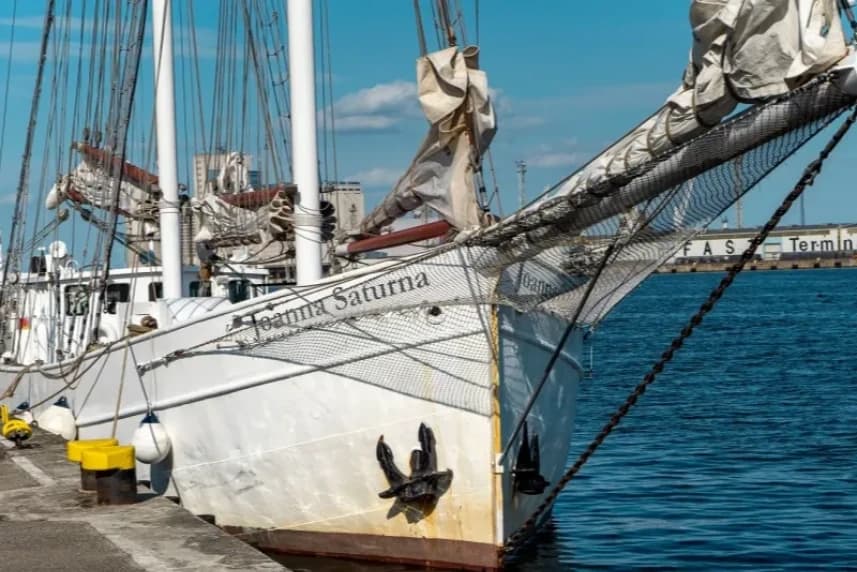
(743,51)
(230,210)
(454,96)
(90,183)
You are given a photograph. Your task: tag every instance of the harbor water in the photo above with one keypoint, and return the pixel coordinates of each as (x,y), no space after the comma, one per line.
(743,454)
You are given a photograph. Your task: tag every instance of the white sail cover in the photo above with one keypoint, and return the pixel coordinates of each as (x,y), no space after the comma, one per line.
(95,187)
(216,217)
(453,94)
(743,51)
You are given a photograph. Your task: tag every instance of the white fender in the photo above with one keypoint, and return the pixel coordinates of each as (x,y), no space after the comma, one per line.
(151,442)
(59,420)
(23,413)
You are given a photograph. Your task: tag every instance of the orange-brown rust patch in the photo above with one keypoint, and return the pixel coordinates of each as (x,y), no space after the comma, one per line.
(434,553)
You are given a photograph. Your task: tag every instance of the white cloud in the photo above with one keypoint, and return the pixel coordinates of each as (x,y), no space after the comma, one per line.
(500,101)
(556,159)
(38,22)
(379,98)
(8,199)
(378,108)
(509,114)
(610,97)
(206,43)
(366,122)
(24,51)
(521,122)
(377,177)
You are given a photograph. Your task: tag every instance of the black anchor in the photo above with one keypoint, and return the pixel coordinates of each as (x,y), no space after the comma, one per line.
(526,474)
(425,484)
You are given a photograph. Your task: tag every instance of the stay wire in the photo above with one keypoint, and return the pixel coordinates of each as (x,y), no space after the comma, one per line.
(76,114)
(605,258)
(273,51)
(421,36)
(125,105)
(12,260)
(185,97)
(806,180)
(476,18)
(262,92)
(322,72)
(55,122)
(329,81)
(197,76)
(849,15)
(8,77)
(77,90)
(277,35)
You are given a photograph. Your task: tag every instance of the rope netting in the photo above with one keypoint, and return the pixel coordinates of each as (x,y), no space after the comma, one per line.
(545,258)
(650,212)
(413,310)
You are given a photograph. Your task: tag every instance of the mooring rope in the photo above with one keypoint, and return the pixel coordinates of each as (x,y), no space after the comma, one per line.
(806,180)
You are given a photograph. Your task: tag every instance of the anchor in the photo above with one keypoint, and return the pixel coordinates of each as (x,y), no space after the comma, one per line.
(527,478)
(425,484)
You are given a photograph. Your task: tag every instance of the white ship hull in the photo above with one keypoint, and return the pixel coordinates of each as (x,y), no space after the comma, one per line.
(274,429)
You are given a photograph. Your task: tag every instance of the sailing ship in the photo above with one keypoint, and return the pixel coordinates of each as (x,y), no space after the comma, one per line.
(291,415)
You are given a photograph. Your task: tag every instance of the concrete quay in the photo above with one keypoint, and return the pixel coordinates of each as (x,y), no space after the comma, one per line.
(783,264)
(47,524)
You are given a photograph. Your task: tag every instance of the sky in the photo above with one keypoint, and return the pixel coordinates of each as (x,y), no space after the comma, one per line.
(568,79)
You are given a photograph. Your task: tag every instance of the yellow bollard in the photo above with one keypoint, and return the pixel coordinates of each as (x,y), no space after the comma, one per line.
(74,453)
(115,473)
(14,429)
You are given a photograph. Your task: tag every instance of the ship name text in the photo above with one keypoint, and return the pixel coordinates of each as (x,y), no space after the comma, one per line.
(342,298)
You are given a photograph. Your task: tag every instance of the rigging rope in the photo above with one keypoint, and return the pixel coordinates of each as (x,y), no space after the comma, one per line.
(12,258)
(119,135)
(197,77)
(261,91)
(55,121)
(572,324)
(421,36)
(329,82)
(476,19)
(8,77)
(74,126)
(322,72)
(807,178)
(845,6)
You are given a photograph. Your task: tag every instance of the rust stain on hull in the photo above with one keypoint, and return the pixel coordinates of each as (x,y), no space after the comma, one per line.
(434,553)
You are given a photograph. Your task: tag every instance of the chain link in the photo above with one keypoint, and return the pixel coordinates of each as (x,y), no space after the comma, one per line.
(807,179)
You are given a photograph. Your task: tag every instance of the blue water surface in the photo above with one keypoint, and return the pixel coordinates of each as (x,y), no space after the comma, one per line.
(744,451)
(743,454)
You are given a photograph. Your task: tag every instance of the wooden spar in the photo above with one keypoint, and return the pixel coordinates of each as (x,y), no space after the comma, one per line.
(144,179)
(257,198)
(397,238)
(132,173)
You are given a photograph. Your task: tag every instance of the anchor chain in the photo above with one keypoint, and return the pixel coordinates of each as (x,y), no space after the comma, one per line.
(807,178)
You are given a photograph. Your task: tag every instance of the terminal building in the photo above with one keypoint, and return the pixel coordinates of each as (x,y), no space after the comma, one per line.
(787,243)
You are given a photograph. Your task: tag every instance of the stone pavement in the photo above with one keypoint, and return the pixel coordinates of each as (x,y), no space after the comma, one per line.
(47,524)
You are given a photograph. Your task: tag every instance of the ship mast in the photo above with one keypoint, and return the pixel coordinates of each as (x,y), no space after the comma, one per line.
(165,111)
(307,217)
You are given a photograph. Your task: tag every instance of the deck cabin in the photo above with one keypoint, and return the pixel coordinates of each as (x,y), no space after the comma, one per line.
(53,317)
